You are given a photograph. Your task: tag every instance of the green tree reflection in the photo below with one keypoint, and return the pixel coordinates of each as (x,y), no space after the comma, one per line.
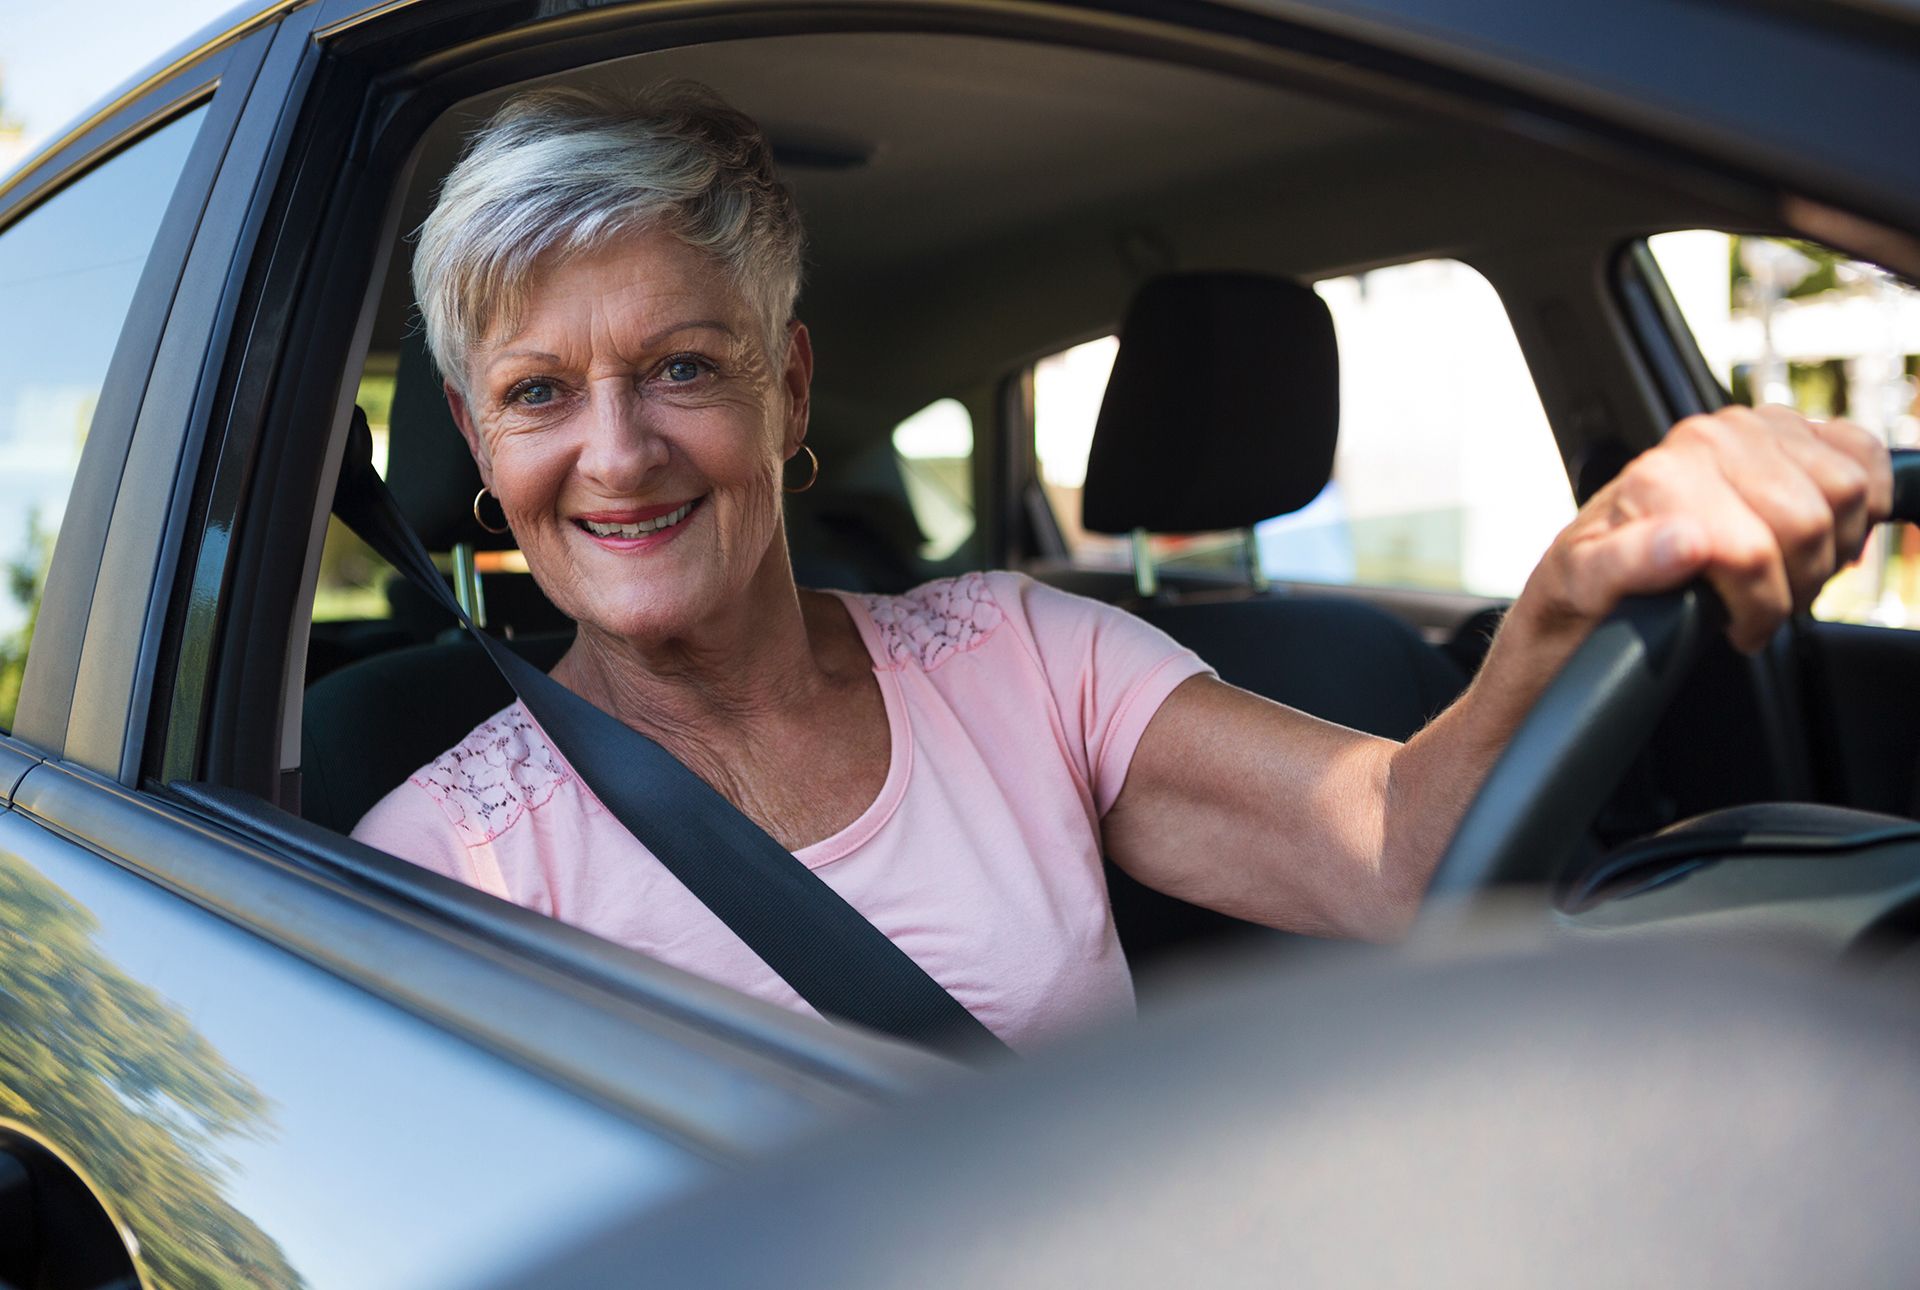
(22,577)
(110,1071)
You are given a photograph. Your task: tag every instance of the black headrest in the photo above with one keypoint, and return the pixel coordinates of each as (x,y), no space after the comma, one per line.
(429,469)
(1222,409)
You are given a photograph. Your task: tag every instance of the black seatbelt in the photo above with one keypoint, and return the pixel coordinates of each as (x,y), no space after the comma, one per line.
(799,926)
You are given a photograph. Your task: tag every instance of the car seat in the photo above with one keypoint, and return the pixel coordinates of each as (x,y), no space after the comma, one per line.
(1223,410)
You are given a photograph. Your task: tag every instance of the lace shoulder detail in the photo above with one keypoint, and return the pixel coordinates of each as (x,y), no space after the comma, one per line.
(935,622)
(498,773)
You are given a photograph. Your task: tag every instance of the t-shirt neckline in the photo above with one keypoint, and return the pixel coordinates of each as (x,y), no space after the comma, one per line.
(899,749)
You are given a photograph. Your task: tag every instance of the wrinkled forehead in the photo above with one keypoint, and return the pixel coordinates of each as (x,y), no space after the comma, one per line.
(623,290)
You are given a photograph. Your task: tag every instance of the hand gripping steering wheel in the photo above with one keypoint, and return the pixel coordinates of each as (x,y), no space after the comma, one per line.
(1576,743)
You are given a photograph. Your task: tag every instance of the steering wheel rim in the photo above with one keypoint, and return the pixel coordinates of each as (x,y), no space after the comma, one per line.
(1570,751)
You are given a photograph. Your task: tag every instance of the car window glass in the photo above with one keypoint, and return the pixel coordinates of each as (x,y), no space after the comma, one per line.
(353,580)
(1791,322)
(1446,475)
(68,270)
(935,450)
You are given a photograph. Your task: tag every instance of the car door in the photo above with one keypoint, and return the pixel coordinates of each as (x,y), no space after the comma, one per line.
(236,1068)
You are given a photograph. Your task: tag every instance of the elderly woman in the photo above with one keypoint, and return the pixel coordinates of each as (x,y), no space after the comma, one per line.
(608,288)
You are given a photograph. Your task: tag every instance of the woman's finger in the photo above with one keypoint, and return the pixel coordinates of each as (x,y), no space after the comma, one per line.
(1739,553)
(1866,448)
(1759,459)
(1638,558)
(1844,481)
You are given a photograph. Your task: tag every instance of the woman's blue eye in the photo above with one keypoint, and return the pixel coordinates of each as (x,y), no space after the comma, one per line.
(533,394)
(682,370)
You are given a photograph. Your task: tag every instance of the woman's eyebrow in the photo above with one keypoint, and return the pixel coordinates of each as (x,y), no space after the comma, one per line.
(708,324)
(537,355)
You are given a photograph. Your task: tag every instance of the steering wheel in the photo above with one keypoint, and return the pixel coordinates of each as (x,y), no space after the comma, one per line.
(1576,743)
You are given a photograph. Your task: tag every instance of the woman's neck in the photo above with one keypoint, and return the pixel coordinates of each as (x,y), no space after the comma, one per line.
(761,658)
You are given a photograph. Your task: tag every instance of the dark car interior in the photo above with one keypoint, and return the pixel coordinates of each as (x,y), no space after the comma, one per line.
(976,203)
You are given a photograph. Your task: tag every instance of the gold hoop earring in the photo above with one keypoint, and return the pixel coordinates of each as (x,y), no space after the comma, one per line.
(478,519)
(811,479)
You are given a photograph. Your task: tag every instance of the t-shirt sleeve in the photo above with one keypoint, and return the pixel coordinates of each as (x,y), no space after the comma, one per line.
(408,823)
(1108,670)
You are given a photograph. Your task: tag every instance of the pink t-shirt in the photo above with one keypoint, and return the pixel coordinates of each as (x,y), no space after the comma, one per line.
(1014,710)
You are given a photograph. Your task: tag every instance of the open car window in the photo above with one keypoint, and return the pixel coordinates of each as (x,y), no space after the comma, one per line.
(1793,322)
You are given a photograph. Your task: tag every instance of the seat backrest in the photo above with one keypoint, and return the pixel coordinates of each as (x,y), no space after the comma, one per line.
(1344,661)
(368,726)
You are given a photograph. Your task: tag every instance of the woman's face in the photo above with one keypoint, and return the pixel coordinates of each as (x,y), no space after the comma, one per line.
(634,432)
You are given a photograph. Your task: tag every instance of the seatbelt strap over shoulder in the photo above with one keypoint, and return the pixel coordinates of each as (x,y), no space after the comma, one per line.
(799,926)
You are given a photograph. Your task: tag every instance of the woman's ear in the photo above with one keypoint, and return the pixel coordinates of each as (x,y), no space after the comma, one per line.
(797,377)
(463,417)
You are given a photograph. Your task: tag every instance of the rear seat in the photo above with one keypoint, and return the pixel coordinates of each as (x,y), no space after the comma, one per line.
(1222,411)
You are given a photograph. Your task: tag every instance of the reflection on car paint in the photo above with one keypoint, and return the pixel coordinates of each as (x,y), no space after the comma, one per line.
(151,1100)
(238,1109)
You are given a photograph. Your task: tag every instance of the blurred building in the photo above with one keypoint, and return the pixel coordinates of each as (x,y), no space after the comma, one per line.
(1788,322)
(13,133)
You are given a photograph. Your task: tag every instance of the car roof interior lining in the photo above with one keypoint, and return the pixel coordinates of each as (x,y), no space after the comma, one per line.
(1035,171)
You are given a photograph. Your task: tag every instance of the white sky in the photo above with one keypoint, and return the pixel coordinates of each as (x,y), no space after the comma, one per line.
(57,59)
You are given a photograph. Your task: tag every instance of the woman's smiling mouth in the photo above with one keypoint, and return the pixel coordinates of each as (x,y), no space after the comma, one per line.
(623,528)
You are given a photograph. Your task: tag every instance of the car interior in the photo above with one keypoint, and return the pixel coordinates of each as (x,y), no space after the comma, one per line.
(976,203)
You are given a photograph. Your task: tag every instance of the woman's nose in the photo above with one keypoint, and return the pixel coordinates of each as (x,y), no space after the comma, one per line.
(624,448)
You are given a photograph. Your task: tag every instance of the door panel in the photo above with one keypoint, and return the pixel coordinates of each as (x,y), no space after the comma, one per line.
(1868,741)
(253,1118)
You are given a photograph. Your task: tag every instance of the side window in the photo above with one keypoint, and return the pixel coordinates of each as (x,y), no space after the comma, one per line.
(1790,322)
(352,585)
(68,270)
(1446,476)
(934,447)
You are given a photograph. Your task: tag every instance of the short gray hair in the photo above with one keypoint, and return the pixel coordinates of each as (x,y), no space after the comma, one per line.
(564,172)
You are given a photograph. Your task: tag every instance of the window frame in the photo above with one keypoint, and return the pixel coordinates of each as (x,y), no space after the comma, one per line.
(1664,342)
(262,449)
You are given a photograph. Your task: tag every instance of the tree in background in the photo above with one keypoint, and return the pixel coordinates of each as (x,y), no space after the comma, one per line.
(20,582)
